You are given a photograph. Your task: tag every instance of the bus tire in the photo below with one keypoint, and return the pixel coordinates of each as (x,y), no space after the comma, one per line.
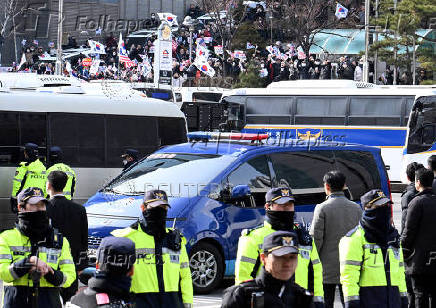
(207,267)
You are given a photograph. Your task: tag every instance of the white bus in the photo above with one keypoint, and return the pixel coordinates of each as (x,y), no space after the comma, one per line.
(93,124)
(335,110)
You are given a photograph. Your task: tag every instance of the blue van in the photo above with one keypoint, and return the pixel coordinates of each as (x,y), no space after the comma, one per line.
(217,188)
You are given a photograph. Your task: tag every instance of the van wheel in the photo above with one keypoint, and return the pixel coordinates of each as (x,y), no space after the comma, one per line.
(207,267)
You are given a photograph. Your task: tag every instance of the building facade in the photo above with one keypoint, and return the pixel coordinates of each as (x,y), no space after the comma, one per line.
(37,21)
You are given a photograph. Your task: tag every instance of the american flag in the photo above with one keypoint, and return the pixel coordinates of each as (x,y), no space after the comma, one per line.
(122,54)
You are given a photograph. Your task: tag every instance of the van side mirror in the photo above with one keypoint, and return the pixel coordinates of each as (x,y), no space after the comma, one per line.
(240,192)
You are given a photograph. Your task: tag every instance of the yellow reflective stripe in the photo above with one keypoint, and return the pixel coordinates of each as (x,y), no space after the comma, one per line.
(145,251)
(316,261)
(371,246)
(18,180)
(351,262)
(305,247)
(166,250)
(20,248)
(403,293)
(64,279)
(6,256)
(351,298)
(66,261)
(184,265)
(187,305)
(401,264)
(50,250)
(247,259)
(318,299)
(12,272)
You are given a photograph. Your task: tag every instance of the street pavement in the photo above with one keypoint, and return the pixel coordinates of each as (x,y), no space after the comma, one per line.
(213,300)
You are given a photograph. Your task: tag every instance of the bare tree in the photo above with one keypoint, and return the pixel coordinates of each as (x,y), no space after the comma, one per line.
(8,10)
(301,20)
(227,15)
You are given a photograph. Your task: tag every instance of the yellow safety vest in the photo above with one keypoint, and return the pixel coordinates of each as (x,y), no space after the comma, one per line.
(363,272)
(70,187)
(15,246)
(29,175)
(176,272)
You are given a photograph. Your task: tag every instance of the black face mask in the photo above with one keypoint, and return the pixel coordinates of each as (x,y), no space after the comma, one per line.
(281,220)
(155,221)
(377,224)
(34,225)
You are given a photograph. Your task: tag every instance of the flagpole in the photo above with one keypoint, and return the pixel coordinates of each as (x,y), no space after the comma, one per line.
(366,63)
(58,69)
(118,52)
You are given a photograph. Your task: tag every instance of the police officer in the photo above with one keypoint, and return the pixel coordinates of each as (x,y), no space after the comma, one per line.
(162,276)
(274,286)
(35,259)
(57,165)
(130,157)
(371,258)
(115,261)
(30,173)
(280,216)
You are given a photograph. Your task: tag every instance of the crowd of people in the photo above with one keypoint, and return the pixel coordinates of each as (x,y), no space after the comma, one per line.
(283,61)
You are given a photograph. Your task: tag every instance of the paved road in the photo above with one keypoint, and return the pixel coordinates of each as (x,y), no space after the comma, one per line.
(213,300)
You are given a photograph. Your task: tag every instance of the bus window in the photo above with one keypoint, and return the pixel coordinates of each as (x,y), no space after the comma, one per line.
(317,110)
(428,135)
(322,106)
(9,139)
(409,104)
(33,128)
(269,105)
(81,137)
(172,131)
(139,133)
(422,135)
(375,110)
(360,171)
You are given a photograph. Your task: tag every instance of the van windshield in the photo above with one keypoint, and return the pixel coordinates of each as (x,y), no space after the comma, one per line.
(180,175)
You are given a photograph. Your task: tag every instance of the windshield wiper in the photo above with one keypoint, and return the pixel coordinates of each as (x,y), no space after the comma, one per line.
(108,189)
(132,193)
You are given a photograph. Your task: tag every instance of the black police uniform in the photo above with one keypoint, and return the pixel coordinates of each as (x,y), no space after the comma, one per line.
(132,153)
(110,286)
(103,291)
(265,290)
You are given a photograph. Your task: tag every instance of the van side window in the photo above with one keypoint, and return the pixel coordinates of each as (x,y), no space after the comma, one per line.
(360,170)
(303,173)
(254,173)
